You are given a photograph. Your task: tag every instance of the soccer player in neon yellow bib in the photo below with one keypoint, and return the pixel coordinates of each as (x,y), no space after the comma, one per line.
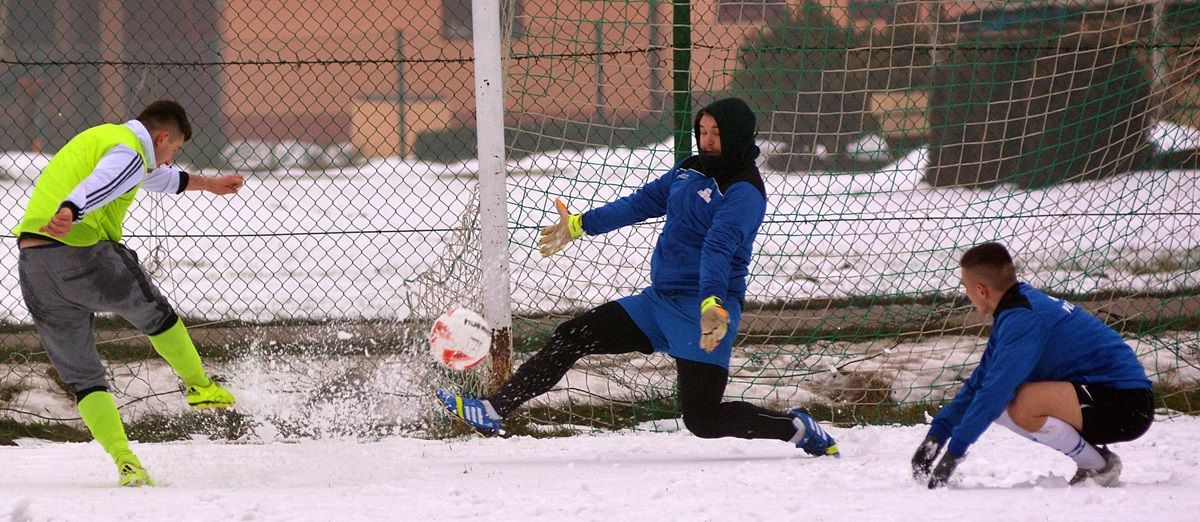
(72,264)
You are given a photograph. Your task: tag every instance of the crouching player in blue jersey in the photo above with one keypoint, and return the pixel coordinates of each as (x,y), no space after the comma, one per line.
(714,204)
(1051,372)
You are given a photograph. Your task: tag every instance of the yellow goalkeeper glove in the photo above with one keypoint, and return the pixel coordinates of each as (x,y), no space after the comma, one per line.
(714,323)
(556,236)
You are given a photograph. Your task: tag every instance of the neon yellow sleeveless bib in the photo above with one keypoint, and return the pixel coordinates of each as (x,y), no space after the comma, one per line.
(68,168)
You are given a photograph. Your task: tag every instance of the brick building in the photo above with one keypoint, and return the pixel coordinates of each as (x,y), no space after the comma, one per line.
(327,71)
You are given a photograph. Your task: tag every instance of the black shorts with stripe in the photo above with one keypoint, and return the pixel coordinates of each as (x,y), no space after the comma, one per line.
(1111,415)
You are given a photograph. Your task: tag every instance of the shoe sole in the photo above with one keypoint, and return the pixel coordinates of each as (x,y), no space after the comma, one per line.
(485,433)
(474,428)
(453,411)
(831,451)
(134,481)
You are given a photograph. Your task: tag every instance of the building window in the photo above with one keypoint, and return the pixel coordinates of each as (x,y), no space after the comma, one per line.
(741,11)
(456,18)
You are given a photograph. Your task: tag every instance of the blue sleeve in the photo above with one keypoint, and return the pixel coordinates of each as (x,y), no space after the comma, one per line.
(951,414)
(735,224)
(650,201)
(1021,338)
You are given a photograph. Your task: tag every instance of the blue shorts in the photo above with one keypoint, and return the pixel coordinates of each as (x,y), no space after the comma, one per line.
(672,323)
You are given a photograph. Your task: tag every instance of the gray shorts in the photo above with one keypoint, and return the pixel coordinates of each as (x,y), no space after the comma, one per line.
(65,286)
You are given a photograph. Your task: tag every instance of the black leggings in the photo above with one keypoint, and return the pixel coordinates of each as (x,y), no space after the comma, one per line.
(608,329)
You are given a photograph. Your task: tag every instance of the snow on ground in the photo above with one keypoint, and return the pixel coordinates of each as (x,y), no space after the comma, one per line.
(608,477)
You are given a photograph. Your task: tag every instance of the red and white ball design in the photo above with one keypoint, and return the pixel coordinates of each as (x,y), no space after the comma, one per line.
(460,339)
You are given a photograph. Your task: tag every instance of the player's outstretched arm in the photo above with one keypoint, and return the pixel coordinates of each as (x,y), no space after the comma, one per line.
(219,185)
(568,228)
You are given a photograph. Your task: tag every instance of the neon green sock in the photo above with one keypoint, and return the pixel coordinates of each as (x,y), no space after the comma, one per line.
(99,412)
(175,345)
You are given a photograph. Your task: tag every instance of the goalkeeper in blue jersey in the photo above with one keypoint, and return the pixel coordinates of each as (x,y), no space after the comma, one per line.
(1051,372)
(714,204)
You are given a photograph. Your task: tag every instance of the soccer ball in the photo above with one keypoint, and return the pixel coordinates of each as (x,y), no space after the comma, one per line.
(460,339)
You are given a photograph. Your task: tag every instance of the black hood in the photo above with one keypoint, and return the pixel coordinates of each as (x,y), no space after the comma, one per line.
(736,123)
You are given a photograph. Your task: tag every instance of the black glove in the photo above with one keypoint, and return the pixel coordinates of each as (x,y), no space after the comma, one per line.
(945,468)
(923,459)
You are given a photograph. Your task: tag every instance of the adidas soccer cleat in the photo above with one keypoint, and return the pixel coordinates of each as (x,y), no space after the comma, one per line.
(477,413)
(210,396)
(1108,476)
(815,441)
(132,474)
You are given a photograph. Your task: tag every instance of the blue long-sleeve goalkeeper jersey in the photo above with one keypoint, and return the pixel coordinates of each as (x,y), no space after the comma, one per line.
(708,236)
(1034,338)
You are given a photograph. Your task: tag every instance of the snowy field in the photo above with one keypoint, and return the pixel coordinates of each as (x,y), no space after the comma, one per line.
(606,477)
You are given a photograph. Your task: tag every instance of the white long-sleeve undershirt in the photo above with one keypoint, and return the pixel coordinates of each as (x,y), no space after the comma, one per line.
(120,170)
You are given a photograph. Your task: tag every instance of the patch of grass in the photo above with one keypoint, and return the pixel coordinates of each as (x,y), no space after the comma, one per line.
(1164,265)
(1176,398)
(11,429)
(881,414)
(859,302)
(614,415)
(226,343)
(215,424)
(563,421)
(8,392)
(530,343)
(906,332)
(1138,327)
(540,422)
(8,327)
(20,355)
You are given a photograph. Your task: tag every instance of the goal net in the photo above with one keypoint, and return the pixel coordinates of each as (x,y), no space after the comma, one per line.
(895,135)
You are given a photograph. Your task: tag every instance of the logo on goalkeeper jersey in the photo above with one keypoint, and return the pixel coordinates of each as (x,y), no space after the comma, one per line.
(706,195)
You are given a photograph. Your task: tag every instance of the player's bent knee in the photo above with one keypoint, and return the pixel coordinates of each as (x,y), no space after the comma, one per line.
(1024,417)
